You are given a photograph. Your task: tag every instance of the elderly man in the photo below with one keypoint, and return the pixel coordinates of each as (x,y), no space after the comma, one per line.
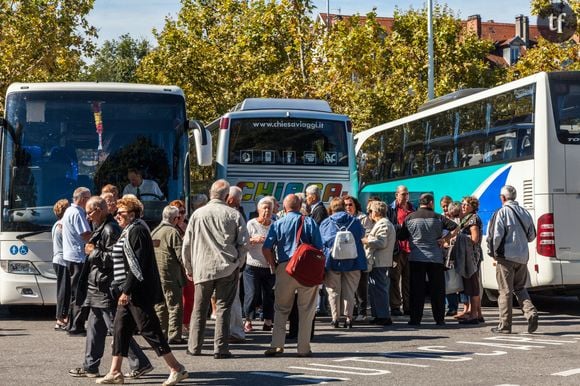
(515,226)
(317,210)
(213,247)
(168,244)
(424,229)
(76,231)
(94,293)
(237,333)
(282,236)
(144,190)
(399,272)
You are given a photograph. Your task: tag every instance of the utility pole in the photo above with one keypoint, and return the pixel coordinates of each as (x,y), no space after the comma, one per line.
(431,70)
(328,17)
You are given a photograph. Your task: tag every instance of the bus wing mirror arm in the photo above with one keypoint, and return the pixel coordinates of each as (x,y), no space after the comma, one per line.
(203,143)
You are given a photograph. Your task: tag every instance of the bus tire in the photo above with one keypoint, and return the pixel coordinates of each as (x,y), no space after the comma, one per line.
(489,298)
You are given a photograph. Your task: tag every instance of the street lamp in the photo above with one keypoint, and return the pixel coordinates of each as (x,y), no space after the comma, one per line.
(430,54)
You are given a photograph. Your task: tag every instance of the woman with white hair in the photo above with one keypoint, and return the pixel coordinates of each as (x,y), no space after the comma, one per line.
(258,278)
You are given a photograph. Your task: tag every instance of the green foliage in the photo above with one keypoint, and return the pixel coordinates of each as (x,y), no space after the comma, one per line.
(43,40)
(117,60)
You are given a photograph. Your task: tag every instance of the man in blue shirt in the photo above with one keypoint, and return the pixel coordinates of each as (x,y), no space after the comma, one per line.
(76,231)
(282,235)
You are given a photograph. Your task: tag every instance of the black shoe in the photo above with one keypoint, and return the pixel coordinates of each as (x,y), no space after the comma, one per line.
(481,320)
(383,322)
(533,324)
(347,324)
(440,323)
(334,324)
(193,354)
(469,321)
(497,330)
(225,355)
(413,323)
(451,313)
(396,312)
(177,341)
(77,332)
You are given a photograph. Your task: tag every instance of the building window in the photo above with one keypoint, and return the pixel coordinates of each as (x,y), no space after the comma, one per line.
(514,54)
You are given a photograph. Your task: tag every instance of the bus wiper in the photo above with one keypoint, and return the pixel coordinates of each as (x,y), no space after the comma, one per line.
(25,235)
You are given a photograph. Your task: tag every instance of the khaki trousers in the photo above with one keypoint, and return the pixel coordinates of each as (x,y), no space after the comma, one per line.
(341,288)
(170,312)
(511,279)
(285,289)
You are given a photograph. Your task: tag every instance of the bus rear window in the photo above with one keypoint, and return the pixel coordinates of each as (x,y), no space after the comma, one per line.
(566,105)
(288,141)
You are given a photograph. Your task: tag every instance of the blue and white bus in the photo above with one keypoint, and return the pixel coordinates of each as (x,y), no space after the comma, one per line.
(525,133)
(59,136)
(277,147)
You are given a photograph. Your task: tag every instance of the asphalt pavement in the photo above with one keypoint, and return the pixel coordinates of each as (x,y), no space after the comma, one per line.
(32,353)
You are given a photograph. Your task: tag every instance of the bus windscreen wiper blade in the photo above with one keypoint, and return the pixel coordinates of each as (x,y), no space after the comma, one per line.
(25,235)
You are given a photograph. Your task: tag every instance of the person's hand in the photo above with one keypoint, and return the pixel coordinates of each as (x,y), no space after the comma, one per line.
(365,240)
(89,248)
(189,277)
(124,299)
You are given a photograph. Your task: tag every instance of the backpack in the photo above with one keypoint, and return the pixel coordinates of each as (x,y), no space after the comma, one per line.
(344,246)
(307,262)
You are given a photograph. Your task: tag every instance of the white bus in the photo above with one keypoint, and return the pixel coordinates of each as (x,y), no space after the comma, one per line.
(59,136)
(525,133)
(280,146)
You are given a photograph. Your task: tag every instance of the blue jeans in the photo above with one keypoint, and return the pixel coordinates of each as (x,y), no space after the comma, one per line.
(379,283)
(258,280)
(452,302)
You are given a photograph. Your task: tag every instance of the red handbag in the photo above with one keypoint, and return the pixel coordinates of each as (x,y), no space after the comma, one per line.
(307,262)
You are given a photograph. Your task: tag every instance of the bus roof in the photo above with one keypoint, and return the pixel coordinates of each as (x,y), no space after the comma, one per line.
(361,137)
(283,104)
(94,86)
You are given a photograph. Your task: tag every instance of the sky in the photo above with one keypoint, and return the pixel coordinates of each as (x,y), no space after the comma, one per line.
(114,18)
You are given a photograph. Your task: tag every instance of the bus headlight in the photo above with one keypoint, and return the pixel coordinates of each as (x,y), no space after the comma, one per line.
(19,267)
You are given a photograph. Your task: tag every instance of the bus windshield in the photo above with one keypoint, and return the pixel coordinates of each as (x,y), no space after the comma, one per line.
(288,141)
(565,90)
(56,141)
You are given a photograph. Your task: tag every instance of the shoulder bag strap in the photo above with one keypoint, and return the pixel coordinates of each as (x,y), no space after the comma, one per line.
(519,219)
(299,231)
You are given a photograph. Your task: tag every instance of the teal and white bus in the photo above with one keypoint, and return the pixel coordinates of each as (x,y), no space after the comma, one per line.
(59,136)
(276,147)
(525,133)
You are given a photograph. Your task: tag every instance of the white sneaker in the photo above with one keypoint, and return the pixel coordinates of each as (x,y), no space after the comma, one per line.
(361,318)
(176,376)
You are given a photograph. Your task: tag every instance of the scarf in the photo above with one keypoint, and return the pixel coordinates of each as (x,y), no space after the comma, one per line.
(132,259)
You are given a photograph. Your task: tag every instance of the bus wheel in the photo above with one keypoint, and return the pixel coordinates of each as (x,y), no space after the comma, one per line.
(489,298)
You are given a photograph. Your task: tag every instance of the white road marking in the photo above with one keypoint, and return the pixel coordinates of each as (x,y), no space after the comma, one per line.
(317,379)
(567,373)
(523,339)
(337,369)
(426,356)
(503,345)
(360,359)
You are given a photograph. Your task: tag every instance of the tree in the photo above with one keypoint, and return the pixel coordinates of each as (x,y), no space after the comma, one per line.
(43,40)
(117,60)
(377,76)
(222,51)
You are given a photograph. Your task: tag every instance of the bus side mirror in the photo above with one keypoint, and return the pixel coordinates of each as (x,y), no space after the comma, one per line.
(202,138)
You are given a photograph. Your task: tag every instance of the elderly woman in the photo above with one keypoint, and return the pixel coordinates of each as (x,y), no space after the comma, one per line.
(258,278)
(62,274)
(342,276)
(471,226)
(380,244)
(136,279)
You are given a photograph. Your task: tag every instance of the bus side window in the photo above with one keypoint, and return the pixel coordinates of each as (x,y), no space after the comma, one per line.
(526,147)
(509,149)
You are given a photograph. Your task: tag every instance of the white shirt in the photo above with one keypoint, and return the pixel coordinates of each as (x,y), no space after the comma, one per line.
(147,191)
(255,256)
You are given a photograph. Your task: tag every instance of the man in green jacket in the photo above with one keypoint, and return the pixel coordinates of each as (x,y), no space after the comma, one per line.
(168,243)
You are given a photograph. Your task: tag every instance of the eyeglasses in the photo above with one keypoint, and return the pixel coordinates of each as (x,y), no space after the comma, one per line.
(348,204)
(122,212)
(92,211)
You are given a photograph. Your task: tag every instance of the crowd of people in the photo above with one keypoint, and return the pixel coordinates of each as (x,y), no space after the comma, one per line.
(116,276)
